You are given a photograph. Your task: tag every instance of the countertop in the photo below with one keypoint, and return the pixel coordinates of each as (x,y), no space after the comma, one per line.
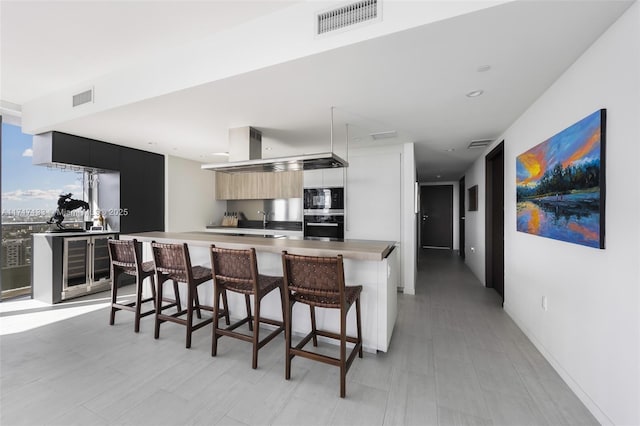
(71,233)
(257,224)
(349,249)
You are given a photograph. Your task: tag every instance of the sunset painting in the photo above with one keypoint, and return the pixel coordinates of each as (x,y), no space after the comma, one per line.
(560,184)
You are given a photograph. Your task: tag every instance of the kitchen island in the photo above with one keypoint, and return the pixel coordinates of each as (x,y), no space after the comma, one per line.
(372,264)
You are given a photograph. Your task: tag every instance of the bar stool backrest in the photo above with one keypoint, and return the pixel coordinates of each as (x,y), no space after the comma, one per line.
(235,266)
(313,275)
(124,254)
(172,260)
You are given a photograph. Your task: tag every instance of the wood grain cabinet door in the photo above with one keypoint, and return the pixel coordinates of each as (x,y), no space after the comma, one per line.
(258,186)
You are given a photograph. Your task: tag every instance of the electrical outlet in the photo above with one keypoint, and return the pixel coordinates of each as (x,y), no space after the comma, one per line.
(544,303)
(473,249)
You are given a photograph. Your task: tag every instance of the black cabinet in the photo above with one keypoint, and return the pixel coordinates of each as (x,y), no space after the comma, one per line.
(141,191)
(63,148)
(70,149)
(104,156)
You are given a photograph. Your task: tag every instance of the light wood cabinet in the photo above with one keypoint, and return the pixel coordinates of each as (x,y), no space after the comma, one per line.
(256,186)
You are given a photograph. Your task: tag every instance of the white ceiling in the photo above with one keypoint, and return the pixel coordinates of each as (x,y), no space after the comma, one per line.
(413,81)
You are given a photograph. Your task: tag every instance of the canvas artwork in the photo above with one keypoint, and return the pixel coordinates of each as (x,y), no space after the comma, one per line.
(560,184)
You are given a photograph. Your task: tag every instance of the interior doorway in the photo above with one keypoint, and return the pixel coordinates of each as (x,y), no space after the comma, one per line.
(494,220)
(461,216)
(436,216)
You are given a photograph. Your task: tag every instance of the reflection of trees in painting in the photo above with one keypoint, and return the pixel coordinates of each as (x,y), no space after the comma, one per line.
(559,184)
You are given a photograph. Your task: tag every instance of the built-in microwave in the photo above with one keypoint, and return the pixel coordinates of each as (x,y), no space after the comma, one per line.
(323,200)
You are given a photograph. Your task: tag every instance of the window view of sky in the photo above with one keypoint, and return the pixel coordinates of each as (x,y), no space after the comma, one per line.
(28,187)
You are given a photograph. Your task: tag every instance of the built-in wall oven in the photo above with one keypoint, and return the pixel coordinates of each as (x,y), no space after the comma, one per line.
(324,213)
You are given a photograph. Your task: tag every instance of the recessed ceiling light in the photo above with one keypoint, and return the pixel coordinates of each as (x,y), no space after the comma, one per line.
(226,154)
(483,68)
(475,93)
(438,176)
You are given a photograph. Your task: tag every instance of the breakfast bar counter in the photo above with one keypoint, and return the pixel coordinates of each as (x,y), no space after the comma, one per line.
(372,264)
(349,249)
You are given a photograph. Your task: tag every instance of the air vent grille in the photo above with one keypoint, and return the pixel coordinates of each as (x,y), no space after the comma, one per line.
(384,135)
(345,16)
(83,98)
(479,143)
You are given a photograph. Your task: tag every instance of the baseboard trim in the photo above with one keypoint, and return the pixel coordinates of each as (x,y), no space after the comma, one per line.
(573,385)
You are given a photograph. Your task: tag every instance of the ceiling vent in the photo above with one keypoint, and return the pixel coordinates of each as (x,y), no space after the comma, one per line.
(83,98)
(479,143)
(345,16)
(384,135)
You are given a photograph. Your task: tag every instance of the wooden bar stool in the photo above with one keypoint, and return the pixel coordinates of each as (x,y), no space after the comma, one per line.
(172,262)
(126,259)
(237,271)
(319,282)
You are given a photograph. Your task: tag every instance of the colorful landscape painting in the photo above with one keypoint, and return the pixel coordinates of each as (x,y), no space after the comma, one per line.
(560,184)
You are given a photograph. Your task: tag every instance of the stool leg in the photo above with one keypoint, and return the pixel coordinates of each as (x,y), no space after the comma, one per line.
(313,324)
(114,295)
(287,337)
(256,331)
(153,291)
(138,303)
(216,320)
(343,353)
(190,301)
(247,302)
(156,333)
(359,325)
(176,291)
(196,301)
(225,306)
(284,316)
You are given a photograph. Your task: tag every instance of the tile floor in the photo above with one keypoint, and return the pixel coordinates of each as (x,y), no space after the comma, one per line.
(456,358)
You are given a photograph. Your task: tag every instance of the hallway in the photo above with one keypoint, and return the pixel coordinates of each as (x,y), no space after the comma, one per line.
(455,359)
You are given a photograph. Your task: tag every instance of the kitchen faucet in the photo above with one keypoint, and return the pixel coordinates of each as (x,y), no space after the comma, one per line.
(264,218)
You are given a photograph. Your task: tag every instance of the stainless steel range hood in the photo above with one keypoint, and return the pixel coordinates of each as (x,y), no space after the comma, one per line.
(245,147)
(324,160)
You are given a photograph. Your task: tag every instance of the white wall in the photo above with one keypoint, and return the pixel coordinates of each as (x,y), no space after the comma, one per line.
(474,222)
(455,210)
(591,331)
(409,259)
(190,202)
(380,204)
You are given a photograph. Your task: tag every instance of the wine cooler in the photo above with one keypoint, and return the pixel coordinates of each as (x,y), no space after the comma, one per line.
(86,265)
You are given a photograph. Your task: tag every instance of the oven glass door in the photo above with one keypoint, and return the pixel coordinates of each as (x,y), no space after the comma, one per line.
(324,227)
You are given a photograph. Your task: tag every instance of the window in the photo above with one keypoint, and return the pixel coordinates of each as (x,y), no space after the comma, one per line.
(29,199)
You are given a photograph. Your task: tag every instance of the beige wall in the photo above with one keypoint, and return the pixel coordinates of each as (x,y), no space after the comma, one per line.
(190,203)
